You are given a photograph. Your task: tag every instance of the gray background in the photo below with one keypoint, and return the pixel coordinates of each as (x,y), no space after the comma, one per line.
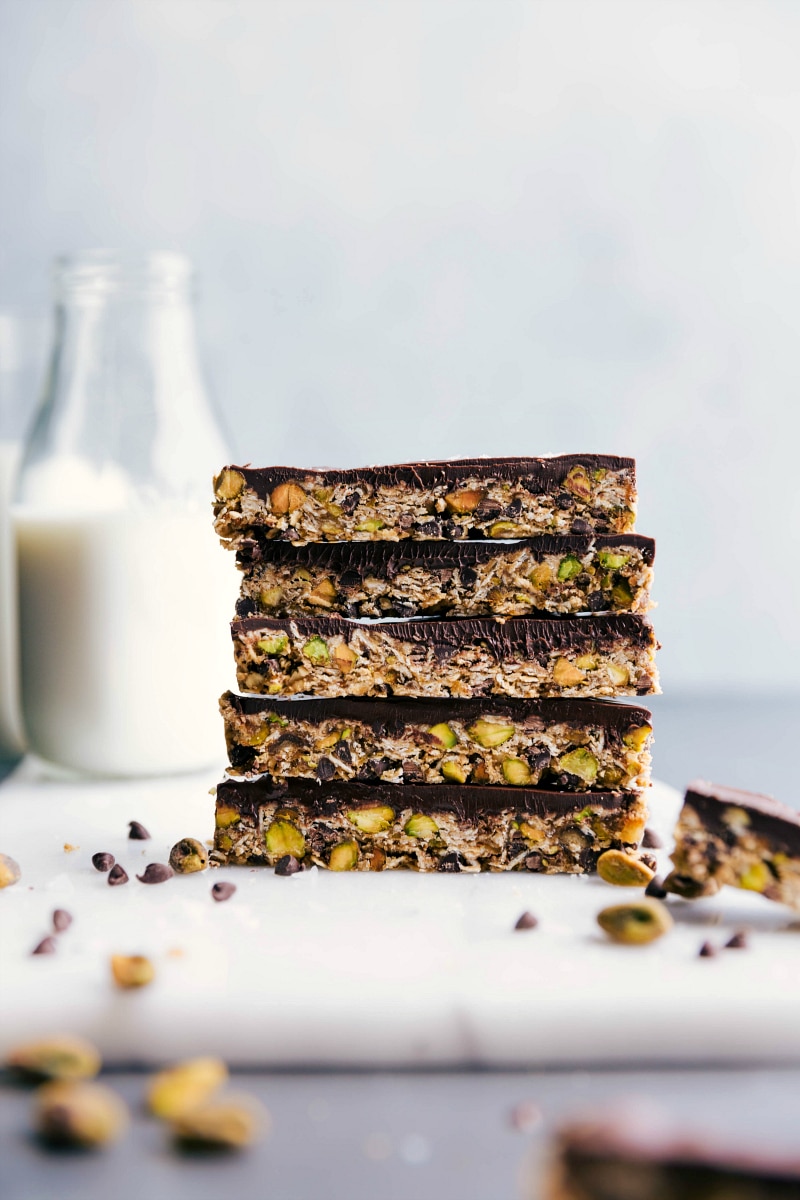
(431,229)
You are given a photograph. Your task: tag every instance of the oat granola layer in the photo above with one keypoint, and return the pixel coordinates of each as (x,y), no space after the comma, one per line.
(611,656)
(571,745)
(376,827)
(641,1157)
(470,497)
(728,836)
(572,574)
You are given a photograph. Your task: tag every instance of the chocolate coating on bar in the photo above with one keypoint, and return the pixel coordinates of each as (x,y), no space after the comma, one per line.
(386,557)
(539,475)
(466,801)
(776,821)
(526,636)
(391,715)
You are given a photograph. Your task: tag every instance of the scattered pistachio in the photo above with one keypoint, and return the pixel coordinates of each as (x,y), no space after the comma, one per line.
(569,567)
(227,1124)
(516,772)
(344,657)
(9,871)
(453,772)
(46,946)
(580,762)
(62,1056)
(567,675)
(637,923)
(288,865)
(526,921)
(274,644)
(117,876)
(444,734)
(756,878)
(102,861)
(282,837)
(489,733)
(137,832)
(343,857)
(222,890)
(623,870)
(187,856)
(464,501)
(229,484)
(79,1114)
(286,497)
(61,920)
(421,826)
(610,561)
(185,1086)
(316,649)
(132,971)
(373,819)
(578,483)
(156,873)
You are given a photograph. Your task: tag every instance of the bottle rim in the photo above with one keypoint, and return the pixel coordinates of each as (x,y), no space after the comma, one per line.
(100,273)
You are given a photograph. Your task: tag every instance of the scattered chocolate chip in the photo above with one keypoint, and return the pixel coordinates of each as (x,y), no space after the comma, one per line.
(138,833)
(46,946)
(224,890)
(707,950)
(656,889)
(738,941)
(156,873)
(288,865)
(117,875)
(61,920)
(103,861)
(651,840)
(526,921)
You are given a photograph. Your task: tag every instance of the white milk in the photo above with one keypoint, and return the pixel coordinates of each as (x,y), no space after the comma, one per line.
(11,738)
(125,638)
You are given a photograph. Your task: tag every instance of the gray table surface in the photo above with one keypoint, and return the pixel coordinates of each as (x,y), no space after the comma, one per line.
(412,1135)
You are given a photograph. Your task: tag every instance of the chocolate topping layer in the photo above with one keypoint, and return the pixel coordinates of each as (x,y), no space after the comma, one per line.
(540,475)
(777,821)
(382,557)
(466,801)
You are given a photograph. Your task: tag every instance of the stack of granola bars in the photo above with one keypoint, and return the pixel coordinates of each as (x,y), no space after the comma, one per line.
(430,658)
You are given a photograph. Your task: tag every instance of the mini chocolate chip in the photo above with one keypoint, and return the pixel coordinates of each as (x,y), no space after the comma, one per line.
(468,576)
(656,889)
(649,861)
(431,529)
(580,526)
(405,521)
(138,833)
(243,757)
(596,601)
(156,873)
(351,502)
(342,752)
(46,946)
(514,508)
(349,580)
(61,920)
(738,941)
(651,840)
(288,865)
(533,862)
(223,890)
(707,950)
(102,861)
(117,875)
(564,502)
(450,862)
(325,770)
(526,921)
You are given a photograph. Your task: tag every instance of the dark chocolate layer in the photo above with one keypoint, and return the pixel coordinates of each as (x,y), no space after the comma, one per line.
(527,636)
(767,816)
(467,802)
(392,714)
(390,557)
(539,475)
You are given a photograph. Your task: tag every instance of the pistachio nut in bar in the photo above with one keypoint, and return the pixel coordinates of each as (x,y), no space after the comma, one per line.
(460,498)
(571,745)
(548,574)
(600,655)
(379,826)
(727,836)
(642,1158)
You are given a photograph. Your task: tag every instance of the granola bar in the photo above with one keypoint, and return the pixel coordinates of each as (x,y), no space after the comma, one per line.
(728,836)
(572,745)
(470,497)
(548,574)
(597,655)
(380,826)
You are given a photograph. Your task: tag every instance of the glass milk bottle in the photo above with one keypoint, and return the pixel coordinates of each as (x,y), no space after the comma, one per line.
(125,593)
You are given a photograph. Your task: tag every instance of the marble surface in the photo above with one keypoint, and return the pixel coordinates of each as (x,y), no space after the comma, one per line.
(362,970)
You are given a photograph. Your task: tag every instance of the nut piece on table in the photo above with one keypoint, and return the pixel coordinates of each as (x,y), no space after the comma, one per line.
(187,856)
(286,497)
(10,872)
(178,1089)
(62,1056)
(623,870)
(635,924)
(343,857)
(132,971)
(375,819)
(227,1124)
(79,1114)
